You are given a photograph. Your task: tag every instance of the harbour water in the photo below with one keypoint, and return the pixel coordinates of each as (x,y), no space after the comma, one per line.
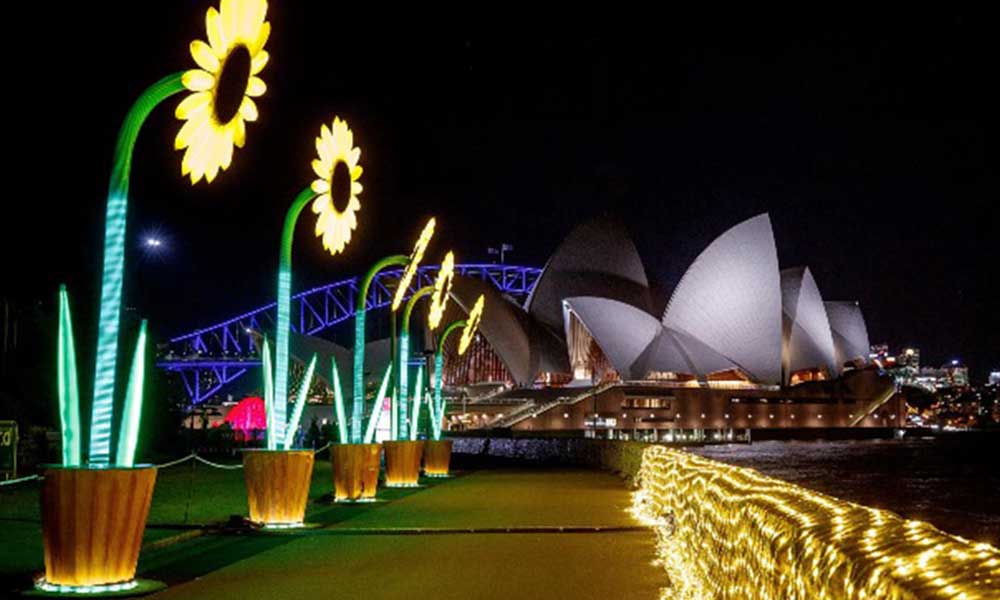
(951,481)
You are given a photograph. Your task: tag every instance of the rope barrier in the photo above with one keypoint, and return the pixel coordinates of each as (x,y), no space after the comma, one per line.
(19,480)
(166,465)
(217,465)
(176,462)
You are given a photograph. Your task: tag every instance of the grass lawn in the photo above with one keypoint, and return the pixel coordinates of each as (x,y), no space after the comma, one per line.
(360,549)
(185,495)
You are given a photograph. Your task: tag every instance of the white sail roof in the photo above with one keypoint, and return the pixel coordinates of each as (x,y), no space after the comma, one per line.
(730,300)
(598,258)
(850,334)
(621,330)
(807,341)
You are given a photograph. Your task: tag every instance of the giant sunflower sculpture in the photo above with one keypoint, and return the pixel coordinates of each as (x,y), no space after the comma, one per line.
(223,87)
(338,185)
(471,325)
(411,267)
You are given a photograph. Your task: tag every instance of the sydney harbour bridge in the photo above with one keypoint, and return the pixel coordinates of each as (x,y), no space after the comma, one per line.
(210,358)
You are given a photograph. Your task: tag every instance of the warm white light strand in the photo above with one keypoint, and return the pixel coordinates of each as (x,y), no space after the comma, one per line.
(730,532)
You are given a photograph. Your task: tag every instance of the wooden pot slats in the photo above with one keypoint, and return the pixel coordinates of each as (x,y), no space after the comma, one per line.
(437,457)
(92,523)
(402,462)
(355,470)
(277,484)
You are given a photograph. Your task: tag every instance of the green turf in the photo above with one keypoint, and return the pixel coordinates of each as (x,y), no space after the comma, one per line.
(186,496)
(313,563)
(331,563)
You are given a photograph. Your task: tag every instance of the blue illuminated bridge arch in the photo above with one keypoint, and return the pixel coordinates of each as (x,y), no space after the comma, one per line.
(210,358)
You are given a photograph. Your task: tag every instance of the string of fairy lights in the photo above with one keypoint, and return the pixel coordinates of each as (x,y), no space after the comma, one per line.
(730,532)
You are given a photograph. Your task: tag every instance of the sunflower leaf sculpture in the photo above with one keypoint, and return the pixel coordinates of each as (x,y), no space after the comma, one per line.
(216,111)
(334,197)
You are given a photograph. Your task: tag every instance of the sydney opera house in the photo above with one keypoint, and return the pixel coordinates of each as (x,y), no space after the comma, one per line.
(742,344)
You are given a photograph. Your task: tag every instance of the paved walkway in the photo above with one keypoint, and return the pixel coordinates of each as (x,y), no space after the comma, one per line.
(489,534)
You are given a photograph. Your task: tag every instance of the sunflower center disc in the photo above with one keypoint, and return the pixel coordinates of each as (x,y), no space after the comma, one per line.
(232,84)
(340,186)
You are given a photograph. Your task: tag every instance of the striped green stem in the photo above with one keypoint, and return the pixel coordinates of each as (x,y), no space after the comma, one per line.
(404,358)
(361,304)
(106,357)
(437,411)
(283,325)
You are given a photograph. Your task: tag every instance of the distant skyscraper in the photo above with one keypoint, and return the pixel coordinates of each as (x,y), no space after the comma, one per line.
(957,374)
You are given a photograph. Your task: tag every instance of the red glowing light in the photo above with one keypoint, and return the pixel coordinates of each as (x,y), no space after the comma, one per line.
(248,415)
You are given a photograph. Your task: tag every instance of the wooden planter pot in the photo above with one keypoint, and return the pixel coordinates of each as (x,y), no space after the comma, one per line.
(278,485)
(355,471)
(437,458)
(92,523)
(402,463)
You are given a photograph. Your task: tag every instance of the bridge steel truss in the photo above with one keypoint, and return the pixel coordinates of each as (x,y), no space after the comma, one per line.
(210,358)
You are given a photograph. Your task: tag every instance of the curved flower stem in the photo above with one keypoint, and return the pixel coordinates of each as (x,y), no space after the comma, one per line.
(361,305)
(283,323)
(404,351)
(106,361)
(437,408)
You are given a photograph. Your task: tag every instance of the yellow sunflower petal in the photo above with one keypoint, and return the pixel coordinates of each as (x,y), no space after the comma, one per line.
(320,186)
(356,171)
(356,188)
(188,132)
(227,12)
(214,30)
(256,87)
(248,109)
(354,156)
(193,105)
(204,56)
(255,45)
(319,204)
(197,80)
(325,150)
(322,171)
(258,62)
(195,158)
(256,11)
(225,150)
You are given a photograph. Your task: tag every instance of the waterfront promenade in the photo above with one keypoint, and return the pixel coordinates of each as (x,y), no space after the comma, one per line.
(484,534)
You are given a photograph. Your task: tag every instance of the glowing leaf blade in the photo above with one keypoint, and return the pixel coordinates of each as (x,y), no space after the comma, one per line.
(69,391)
(377,408)
(338,402)
(417,399)
(300,402)
(128,435)
(265,354)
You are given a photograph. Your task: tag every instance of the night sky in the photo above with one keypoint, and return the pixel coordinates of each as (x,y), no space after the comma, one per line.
(864,138)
